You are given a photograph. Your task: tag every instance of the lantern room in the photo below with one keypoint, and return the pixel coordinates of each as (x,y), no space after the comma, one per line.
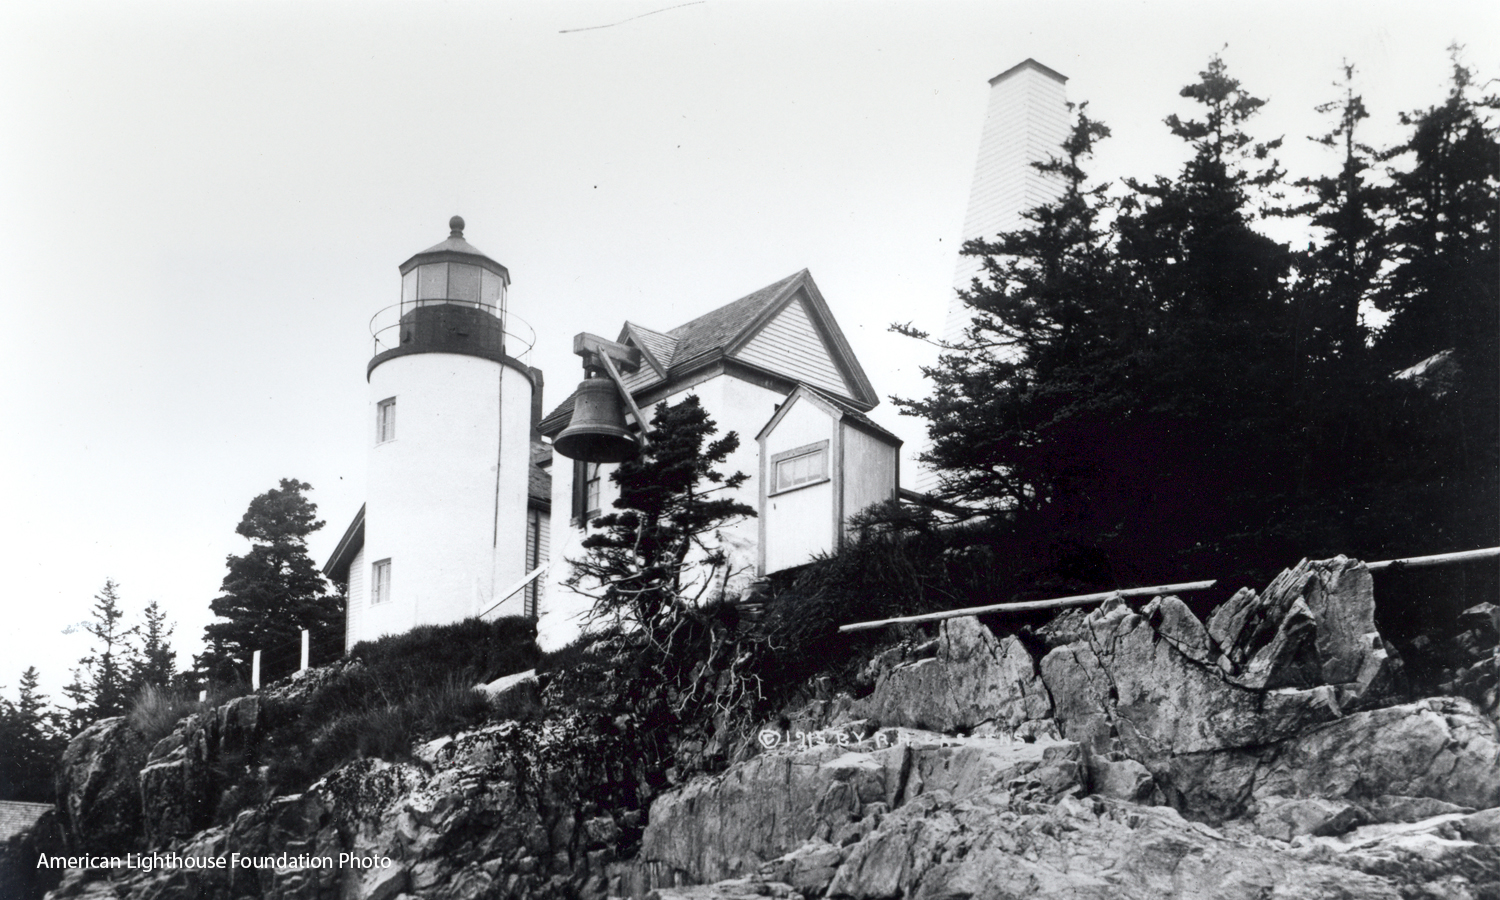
(453,300)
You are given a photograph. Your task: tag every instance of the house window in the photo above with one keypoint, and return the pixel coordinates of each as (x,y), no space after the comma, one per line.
(586,482)
(799,467)
(591,489)
(380,582)
(385,420)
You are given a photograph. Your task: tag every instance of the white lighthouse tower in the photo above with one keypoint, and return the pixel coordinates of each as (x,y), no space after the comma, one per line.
(444,531)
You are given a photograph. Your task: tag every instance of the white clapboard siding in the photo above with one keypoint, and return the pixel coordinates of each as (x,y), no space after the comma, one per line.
(790,344)
(1026,121)
(357,602)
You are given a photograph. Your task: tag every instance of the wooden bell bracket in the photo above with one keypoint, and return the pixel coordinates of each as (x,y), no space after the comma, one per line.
(613,357)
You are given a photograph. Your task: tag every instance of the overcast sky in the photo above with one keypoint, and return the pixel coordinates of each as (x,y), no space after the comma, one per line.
(205,203)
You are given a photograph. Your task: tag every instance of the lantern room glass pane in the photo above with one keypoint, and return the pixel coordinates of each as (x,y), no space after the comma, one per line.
(491,288)
(463,283)
(409,287)
(433,282)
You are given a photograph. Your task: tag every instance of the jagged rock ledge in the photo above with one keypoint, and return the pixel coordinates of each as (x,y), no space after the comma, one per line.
(1272,751)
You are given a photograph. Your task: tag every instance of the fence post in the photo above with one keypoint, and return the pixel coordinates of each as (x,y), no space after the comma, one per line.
(255,671)
(304,651)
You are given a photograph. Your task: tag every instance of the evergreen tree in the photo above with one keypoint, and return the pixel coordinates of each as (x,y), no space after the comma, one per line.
(1444,304)
(655,568)
(1050,306)
(1125,403)
(658,553)
(1152,388)
(32,740)
(273,592)
(153,662)
(100,686)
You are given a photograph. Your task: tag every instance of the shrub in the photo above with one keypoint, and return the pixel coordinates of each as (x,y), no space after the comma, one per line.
(155,711)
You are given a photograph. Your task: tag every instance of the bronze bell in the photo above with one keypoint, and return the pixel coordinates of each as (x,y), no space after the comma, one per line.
(597,433)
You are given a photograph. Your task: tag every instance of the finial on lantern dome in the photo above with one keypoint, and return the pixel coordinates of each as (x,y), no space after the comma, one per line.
(457,225)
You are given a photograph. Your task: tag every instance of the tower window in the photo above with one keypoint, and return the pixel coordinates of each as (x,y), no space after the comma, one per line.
(385,420)
(380,582)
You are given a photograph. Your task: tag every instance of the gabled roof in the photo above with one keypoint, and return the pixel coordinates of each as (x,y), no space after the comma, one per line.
(832,405)
(658,348)
(722,327)
(337,567)
(721,332)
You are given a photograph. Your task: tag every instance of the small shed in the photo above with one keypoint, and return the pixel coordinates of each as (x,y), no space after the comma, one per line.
(821,461)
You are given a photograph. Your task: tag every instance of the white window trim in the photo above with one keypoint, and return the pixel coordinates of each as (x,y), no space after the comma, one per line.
(385,421)
(775,486)
(378,596)
(592,512)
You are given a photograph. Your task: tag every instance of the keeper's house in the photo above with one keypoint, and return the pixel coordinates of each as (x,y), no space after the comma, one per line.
(773,367)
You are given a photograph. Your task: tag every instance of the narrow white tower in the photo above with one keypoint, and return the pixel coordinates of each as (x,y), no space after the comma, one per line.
(1026,121)
(449,429)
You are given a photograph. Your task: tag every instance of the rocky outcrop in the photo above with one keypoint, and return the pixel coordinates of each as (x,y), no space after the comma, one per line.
(1121,752)
(833,795)
(99,801)
(1281,721)
(974,682)
(1214,745)
(1468,661)
(1315,624)
(983,817)
(185,771)
(1093,848)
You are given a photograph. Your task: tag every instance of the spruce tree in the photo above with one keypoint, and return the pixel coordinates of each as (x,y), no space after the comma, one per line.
(272,592)
(1444,303)
(100,686)
(1116,405)
(153,663)
(657,554)
(655,569)
(32,739)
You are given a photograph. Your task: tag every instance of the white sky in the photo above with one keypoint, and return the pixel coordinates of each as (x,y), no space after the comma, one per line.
(204,203)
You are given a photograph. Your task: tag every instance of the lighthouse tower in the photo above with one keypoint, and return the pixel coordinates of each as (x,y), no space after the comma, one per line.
(450,413)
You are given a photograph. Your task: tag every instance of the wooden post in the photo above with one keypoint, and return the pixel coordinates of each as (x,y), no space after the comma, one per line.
(305,648)
(202,696)
(255,671)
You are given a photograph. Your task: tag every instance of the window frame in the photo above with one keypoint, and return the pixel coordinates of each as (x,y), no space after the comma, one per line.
(819,448)
(593,489)
(379,597)
(385,421)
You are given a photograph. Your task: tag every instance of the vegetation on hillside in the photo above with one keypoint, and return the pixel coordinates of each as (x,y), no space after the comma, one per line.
(655,569)
(387,695)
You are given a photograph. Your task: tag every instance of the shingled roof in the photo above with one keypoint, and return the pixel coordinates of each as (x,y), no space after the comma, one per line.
(16,817)
(720,331)
(717,329)
(539,480)
(851,412)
